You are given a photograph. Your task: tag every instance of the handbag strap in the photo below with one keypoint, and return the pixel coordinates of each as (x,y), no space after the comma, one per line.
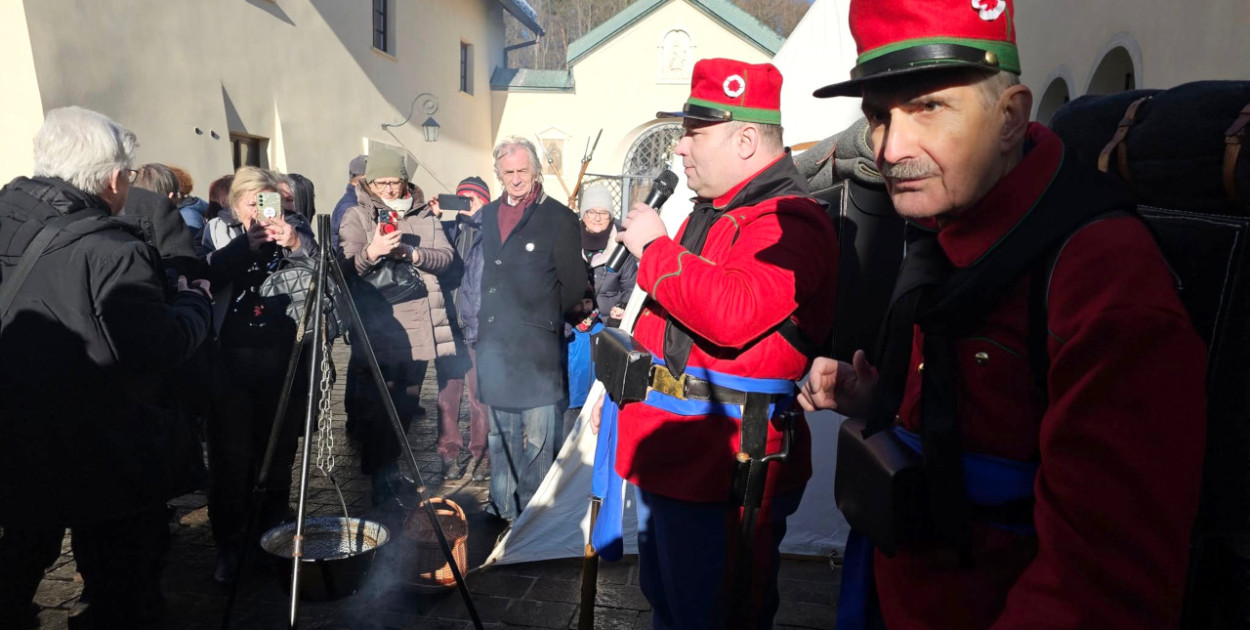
(37,247)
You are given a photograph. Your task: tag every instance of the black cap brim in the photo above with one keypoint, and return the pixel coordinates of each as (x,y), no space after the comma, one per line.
(923,58)
(855,87)
(699,112)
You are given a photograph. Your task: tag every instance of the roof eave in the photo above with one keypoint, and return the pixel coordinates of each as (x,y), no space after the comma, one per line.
(770,47)
(522,88)
(525,14)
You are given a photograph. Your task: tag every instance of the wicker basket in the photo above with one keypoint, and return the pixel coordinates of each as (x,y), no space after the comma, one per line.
(430,568)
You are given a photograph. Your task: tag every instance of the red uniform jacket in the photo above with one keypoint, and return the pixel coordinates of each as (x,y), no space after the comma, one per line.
(767,258)
(1119,435)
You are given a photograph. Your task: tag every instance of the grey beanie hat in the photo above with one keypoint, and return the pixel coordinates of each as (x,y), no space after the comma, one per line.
(596,196)
(385,162)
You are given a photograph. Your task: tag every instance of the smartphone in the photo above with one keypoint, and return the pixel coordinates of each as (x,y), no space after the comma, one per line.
(453,202)
(387,219)
(268,205)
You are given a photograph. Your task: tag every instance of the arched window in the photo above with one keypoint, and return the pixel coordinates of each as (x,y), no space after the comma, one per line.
(1053,98)
(1113,74)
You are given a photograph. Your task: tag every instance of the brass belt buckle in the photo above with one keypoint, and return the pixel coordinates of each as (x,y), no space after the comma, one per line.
(662,381)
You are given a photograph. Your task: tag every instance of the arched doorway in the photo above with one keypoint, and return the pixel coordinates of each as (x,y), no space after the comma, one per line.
(1113,74)
(1053,98)
(647,156)
(652,151)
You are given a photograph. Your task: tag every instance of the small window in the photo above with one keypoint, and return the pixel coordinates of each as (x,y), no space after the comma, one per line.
(381,26)
(466,68)
(247,150)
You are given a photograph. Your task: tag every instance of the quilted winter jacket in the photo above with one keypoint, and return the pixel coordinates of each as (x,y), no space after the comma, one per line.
(87,424)
(417,329)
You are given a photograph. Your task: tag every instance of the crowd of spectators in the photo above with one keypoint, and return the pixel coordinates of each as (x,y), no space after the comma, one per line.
(186,354)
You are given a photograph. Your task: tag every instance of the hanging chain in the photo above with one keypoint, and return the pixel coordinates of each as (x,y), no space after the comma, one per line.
(325,417)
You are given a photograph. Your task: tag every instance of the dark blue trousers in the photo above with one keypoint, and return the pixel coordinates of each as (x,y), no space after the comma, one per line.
(683,552)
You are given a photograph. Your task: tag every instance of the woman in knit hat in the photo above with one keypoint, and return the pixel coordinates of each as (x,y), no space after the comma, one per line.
(612,289)
(408,335)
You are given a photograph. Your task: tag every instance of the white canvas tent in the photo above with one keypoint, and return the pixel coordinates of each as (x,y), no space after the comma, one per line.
(557,521)
(820,51)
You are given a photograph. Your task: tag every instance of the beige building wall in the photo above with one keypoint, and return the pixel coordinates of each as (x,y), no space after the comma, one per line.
(1162,42)
(21,111)
(184,74)
(618,89)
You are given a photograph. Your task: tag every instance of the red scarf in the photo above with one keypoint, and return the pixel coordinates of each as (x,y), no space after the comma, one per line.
(510,215)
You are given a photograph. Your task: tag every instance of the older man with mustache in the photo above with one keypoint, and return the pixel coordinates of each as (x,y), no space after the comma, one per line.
(1037,360)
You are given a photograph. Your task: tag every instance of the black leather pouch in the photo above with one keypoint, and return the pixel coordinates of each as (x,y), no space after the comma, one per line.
(879,486)
(621,365)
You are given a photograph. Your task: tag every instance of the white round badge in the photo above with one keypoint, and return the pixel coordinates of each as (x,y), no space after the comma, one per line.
(734,86)
(989,10)
(529,247)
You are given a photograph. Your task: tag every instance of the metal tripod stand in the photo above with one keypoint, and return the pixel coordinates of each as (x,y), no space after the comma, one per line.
(327,274)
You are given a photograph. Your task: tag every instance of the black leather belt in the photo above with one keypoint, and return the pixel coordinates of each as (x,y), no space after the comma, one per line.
(688,387)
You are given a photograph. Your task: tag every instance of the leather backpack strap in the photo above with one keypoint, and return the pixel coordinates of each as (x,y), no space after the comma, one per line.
(1117,141)
(1232,149)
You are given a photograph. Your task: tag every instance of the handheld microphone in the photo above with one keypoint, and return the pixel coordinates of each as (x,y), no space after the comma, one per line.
(661,189)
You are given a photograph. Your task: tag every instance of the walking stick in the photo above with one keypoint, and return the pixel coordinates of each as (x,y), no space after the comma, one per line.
(590,573)
(586,157)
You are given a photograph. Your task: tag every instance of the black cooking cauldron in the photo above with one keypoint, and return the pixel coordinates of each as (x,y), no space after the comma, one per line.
(338,552)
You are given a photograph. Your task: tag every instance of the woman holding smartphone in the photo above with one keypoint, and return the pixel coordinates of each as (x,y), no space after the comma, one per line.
(245,243)
(391,233)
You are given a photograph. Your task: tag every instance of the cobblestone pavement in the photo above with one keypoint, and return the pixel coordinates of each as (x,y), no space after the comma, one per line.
(534,595)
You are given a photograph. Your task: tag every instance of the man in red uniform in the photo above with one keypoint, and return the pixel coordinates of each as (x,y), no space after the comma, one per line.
(1081,375)
(753,266)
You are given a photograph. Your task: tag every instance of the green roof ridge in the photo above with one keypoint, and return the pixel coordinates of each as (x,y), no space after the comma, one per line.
(723,11)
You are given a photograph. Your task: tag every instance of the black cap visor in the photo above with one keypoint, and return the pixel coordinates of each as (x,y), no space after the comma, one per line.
(699,112)
(924,58)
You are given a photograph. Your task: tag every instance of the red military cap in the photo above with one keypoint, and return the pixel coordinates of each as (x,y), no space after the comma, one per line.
(727,89)
(897,37)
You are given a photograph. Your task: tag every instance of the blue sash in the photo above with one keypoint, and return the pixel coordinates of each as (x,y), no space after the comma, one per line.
(988,480)
(607,533)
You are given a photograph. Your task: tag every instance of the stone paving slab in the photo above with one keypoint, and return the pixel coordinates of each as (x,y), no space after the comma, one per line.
(514,597)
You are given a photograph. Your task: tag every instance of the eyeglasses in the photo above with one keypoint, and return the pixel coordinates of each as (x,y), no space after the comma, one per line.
(598,213)
(387,184)
(131,174)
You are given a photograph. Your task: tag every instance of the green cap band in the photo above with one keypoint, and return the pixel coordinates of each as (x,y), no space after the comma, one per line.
(744,114)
